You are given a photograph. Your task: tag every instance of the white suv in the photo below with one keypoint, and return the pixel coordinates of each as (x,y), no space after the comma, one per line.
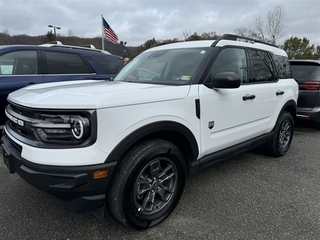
(129,143)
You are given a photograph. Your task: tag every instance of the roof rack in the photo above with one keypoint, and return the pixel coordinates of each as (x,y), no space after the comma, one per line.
(88,47)
(233,37)
(54,42)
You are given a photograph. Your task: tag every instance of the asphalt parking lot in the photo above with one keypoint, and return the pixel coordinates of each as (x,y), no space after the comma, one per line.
(252,196)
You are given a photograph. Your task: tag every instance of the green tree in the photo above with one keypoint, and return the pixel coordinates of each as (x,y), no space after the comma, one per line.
(50,36)
(5,38)
(316,54)
(149,44)
(171,40)
(298,48)
(209,36)
(194,37)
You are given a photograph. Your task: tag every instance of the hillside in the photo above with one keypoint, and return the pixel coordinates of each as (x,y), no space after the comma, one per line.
(114,48)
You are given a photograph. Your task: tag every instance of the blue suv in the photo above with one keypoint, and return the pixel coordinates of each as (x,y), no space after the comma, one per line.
(22,65)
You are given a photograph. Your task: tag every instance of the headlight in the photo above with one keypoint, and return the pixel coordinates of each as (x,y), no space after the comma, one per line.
(65,129)
(77,128)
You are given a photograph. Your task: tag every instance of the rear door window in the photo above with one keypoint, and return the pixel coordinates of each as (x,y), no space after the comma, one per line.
(66,63)
(261,69)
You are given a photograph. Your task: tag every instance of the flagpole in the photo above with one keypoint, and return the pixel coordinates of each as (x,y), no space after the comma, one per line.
(102,34)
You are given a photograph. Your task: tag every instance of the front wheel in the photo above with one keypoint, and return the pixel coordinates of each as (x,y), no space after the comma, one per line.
(148,184)
(283,134)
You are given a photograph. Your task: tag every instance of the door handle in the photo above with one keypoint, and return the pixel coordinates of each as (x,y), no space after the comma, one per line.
(279,92)
(248,97)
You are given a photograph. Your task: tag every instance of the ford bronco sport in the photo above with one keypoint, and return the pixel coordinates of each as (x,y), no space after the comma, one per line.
(127,145)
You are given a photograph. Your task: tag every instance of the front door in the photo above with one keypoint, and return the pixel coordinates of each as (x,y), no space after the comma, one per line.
(227,115)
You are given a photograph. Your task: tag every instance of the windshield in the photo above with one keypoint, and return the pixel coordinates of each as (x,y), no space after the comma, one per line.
(174,66)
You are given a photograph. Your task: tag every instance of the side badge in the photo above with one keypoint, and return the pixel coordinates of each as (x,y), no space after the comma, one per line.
(211,125)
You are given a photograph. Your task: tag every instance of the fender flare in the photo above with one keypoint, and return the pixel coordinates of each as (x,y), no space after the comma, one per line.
(292,105)
(153,129)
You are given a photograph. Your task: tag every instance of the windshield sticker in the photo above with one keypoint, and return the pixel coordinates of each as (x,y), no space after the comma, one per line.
(185,78)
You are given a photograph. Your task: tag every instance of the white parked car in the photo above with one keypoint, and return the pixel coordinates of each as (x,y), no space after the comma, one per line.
(129,143)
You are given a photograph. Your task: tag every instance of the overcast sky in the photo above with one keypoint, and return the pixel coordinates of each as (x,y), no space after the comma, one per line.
(136,21)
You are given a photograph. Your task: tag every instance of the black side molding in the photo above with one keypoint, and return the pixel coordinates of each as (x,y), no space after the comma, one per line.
(197,108)
(224,154)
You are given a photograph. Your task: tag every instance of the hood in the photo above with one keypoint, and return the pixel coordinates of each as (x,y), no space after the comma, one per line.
(90,94)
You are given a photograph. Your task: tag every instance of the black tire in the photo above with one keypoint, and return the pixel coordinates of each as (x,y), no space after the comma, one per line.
(148,184)
(283,134)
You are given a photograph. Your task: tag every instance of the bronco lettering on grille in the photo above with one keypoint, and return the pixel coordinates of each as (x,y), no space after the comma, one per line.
(14,119)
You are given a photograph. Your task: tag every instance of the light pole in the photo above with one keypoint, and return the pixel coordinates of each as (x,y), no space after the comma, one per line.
(54,29)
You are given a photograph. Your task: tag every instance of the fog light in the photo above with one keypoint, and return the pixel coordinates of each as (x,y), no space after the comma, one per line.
(100,174)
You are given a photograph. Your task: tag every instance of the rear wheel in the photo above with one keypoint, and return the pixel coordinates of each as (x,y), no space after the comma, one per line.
(283,134)
(148,184)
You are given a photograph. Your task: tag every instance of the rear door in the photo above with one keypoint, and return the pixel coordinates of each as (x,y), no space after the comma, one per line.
(269,91)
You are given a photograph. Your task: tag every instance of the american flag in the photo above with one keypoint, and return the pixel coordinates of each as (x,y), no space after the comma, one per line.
(108,32)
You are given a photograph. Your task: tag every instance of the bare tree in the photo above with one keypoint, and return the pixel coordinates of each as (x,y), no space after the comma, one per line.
(275,24)
(186,34)
(271,30)
(70,33)
(258,29)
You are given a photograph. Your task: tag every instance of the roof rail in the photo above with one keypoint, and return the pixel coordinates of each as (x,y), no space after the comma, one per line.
(89,47)
(53,42)
(233,37)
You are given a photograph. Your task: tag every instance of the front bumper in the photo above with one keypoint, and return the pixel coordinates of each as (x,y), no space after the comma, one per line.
(74,186)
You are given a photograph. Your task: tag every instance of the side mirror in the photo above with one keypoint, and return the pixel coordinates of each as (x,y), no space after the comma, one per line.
(225,80)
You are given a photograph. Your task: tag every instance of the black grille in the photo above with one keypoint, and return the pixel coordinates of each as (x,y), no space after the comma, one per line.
(24,114)
(22,119)
(22,111)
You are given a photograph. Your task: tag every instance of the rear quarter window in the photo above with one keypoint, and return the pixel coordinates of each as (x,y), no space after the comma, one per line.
(110,64)
(283,66)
